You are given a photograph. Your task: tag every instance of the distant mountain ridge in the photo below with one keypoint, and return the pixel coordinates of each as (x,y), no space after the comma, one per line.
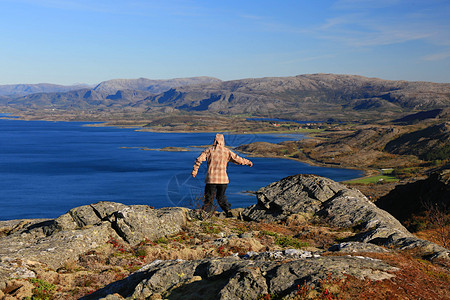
(106,87)
(307,97)
(150,85)
(115,93)
(26,89)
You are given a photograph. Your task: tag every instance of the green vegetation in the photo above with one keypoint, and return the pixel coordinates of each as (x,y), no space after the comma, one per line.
(442,153)
(210,228)
(42,289)
(406,172)
(374,179)
(269,233)
(161,240)
(285,241)
(290,242)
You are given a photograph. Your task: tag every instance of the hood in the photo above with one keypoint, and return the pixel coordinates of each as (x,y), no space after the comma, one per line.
(219,140)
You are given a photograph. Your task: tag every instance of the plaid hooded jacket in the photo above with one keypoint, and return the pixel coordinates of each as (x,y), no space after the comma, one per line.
(217,158)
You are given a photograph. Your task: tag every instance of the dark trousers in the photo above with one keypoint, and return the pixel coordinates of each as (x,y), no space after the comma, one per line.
(217,190)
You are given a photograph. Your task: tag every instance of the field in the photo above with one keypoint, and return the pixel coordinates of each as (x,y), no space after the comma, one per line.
(385,176)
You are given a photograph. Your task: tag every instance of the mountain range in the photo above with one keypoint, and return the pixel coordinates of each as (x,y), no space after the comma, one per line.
(306,97)
(17,90)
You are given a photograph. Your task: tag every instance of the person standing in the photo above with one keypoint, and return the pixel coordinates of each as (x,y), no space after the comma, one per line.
(217,158)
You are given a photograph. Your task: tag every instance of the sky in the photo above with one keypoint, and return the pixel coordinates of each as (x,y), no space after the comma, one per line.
(90,41)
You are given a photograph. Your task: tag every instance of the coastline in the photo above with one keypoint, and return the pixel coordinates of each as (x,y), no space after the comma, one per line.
(105,123)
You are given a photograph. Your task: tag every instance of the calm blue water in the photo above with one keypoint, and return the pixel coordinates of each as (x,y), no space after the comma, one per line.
(47,168)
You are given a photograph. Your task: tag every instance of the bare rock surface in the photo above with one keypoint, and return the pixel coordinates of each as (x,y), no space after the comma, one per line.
(248,277)
(30,243)
(352,247)
(338,206)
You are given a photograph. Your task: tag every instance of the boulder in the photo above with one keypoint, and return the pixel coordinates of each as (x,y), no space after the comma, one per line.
(239,277)
(138,222)
(338,206)
(30,243)
(293,194)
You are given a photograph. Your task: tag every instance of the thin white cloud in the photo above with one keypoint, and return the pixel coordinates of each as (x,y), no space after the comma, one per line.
(372,36)
(437,56)
(338,21)
(370,23)
(360,23)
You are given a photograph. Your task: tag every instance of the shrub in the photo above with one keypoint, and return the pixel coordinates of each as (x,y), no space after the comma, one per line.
(210,228)
(286,241)
(42,289)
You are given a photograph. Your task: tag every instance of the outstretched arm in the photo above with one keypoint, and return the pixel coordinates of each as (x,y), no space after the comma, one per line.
(234,158)
(198,162)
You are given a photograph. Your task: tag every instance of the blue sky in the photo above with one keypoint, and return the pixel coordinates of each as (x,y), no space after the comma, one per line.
(89,41)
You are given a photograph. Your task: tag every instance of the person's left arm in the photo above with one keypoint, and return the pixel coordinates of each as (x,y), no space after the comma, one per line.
(199,161)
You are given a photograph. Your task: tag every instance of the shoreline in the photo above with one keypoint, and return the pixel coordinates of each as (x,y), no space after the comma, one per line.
(311,162)
(104,123)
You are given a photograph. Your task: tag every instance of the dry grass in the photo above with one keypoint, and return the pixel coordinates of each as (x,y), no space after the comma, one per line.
(416,279)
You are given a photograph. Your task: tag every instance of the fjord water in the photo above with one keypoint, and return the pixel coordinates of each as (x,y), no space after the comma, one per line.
(47,168)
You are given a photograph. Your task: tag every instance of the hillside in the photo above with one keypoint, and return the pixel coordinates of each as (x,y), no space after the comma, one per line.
(302,97)
(434,114)
(430,143)
(410,150)
(309,97)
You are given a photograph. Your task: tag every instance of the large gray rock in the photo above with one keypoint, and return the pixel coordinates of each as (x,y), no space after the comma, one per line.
(138,222)
(26,243)
(56,249)
(338,206)
(352,247)
(238,278)
(293,194)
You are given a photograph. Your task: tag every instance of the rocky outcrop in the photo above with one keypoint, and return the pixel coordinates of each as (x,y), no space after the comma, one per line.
(31,245)
(294,194)
(55,242)
(338,206)
(248,277)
